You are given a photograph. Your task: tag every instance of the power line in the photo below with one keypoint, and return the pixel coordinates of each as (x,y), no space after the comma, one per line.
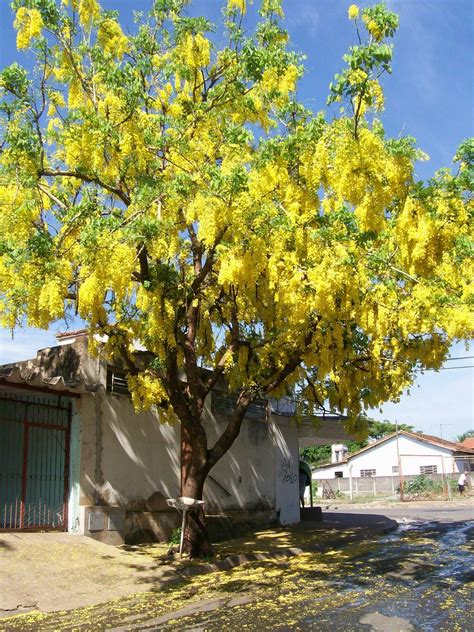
(453,368)
(446,368)
(461,358)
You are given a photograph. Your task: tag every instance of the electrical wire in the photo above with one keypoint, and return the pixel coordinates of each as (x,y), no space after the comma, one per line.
(453,368)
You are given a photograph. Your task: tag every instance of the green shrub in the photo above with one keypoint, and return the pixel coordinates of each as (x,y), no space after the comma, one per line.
(175,537)
(423,485)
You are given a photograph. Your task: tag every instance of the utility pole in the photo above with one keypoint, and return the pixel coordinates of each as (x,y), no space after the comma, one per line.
(400,475)
(441,426)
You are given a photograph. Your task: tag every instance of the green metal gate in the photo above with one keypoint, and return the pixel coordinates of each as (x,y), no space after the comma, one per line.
(34,462)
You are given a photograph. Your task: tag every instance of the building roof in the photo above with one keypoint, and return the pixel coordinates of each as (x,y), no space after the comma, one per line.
(468,443)
(71,334)
(442,443)
(14,377)
(455,446)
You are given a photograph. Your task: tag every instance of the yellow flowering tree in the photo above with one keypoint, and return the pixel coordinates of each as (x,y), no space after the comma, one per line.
(177,196)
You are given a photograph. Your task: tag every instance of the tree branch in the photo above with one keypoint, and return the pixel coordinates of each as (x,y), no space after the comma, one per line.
(57,173)
(289,367)
(232,429)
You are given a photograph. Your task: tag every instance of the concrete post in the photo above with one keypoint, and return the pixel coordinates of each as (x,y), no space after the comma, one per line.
(351,493)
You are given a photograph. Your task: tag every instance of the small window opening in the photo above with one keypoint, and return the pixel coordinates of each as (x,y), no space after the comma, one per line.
(428,469)
(117,381)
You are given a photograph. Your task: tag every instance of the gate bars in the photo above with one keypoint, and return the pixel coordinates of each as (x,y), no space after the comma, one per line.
(34,463)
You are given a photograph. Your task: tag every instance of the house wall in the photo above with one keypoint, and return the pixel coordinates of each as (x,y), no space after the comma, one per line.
(137,450)
(328,473)
(382,458)
(246,471)
(413,455)
(131,460)
(286,470)
(126,464)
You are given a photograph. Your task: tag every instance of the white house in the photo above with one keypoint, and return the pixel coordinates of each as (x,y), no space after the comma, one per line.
(74,454)
(403,453)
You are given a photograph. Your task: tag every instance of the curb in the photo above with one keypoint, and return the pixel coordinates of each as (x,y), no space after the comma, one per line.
(237,560)
(279,554)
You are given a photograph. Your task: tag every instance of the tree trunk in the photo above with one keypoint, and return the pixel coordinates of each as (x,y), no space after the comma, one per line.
(194,470)
(196,462)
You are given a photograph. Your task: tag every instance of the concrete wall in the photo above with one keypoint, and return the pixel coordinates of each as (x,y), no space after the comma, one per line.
(127,464)
(413,454)
(246,472)
(285,439)
(131,460)
(129,456)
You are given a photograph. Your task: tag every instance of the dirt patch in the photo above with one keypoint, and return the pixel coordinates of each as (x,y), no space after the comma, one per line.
(60,571)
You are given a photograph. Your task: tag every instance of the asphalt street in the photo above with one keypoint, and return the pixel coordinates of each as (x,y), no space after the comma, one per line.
(441,511)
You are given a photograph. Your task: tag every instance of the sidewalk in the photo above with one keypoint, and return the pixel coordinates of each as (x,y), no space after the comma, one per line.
(49,572)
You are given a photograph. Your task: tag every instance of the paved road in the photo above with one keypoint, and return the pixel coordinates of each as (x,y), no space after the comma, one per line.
(417,579)
(442,511)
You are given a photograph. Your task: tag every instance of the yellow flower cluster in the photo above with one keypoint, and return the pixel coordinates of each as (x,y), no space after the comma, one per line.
(112,39)
(359,171)
(93,148)
(157,318)
(424,237)
(50,302)
(76,95)
(195,51)
(43,291)
(210,213)
(110,270)
(374,29)
(274,6)
(357,76)
(28,23)
(353,12)
(241,5)
(89,12)
(283,82)
(17,210)
(147,390)
(56,100)
(376,92)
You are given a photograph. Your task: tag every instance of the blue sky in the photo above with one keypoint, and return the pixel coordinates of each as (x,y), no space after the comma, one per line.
(429,96)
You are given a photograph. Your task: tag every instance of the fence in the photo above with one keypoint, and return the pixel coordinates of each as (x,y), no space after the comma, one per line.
(355,487)
(381,486)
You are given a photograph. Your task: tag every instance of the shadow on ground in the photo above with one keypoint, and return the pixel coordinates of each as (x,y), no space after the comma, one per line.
(166,584)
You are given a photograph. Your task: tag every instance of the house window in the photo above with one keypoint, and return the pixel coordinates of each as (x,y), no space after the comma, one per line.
(428,469)
(117,381)
(394,469)
(338,474)
(367,473)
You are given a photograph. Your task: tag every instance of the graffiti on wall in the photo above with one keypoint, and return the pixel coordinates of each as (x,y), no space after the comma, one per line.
(288,475)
